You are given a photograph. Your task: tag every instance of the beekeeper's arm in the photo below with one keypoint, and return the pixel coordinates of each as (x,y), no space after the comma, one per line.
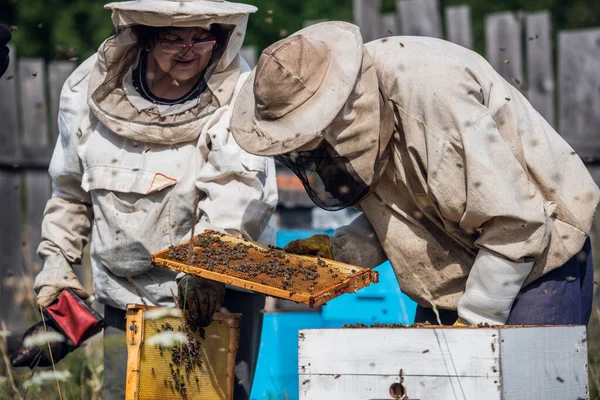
(238,190)
(480,184)
(509,213)
(68,215)
(238,195)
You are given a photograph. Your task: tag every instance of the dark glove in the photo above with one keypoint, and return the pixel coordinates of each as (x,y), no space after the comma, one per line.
(316,245)
(5,37)
(201,297)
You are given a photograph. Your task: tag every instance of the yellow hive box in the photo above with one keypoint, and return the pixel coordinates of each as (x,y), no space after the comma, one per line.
(201,369)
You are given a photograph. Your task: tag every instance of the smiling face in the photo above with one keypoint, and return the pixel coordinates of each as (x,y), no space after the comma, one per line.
(186,64)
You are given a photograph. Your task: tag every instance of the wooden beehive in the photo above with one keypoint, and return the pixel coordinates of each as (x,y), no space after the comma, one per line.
(264,269)
(155,372)
(433,363)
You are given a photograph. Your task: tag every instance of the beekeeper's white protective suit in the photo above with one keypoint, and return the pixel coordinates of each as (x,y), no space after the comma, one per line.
(464,187)
(127,171)
(123,174)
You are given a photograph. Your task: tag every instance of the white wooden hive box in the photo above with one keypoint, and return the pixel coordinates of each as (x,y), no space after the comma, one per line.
(498,363)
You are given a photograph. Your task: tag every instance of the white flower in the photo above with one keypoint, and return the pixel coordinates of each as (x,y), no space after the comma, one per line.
(42,338)
(44,377)
(168,339)
(162,312)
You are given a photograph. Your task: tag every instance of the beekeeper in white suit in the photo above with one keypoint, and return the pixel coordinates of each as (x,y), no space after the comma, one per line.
(479,205)
(144,133)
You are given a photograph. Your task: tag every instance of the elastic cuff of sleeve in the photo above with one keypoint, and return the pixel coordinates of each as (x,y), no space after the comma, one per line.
(477,314)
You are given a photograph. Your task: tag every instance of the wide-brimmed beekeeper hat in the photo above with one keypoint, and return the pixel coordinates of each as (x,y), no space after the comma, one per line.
(173,12)
(298,87)
(315,103)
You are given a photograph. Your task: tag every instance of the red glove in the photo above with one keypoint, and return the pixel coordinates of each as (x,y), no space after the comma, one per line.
(72,318)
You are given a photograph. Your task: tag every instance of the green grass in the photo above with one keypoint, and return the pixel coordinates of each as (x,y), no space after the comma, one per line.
(85,366)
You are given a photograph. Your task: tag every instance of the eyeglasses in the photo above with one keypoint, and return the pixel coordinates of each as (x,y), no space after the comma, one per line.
(176,48)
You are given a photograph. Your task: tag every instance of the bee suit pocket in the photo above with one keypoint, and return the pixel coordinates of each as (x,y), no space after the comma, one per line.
(131,218)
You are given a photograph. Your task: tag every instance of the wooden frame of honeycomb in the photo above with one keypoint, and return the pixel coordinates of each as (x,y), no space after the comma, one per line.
(265,269)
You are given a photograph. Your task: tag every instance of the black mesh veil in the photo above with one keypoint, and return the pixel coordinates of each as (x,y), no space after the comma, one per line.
(354,150)
(328,178)
(131,41)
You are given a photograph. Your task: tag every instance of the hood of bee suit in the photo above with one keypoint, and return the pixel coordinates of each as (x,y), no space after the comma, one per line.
(108,95)
(334,128)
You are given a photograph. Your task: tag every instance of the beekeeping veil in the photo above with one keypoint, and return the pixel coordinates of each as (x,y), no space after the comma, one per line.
(118,106)
(314,102)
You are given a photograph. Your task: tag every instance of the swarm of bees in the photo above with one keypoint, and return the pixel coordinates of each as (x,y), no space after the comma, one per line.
(184,359)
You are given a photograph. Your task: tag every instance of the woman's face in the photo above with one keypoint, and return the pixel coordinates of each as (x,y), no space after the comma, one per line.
(183,62)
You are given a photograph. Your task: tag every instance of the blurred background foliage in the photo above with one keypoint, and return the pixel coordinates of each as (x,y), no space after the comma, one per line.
(68,29)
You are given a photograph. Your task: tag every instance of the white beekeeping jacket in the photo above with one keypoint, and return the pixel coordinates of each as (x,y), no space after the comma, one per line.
(137,198)
(472,167)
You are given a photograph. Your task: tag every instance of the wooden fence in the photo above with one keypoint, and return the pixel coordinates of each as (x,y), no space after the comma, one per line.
(29,93)
(518,45)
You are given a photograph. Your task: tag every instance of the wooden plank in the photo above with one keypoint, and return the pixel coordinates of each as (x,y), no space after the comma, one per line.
(540,74)
(8,109)
(38,189)
(11,258)
(389,25)
(35,134)
(32,78)
(135,319)
(367,387)
(579,90)
(367,17)
(27,158)
(250,54)
(58,72)
(384,351)
(548,362)
(233,321)
(458,26)
(419,18)
(503,46)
